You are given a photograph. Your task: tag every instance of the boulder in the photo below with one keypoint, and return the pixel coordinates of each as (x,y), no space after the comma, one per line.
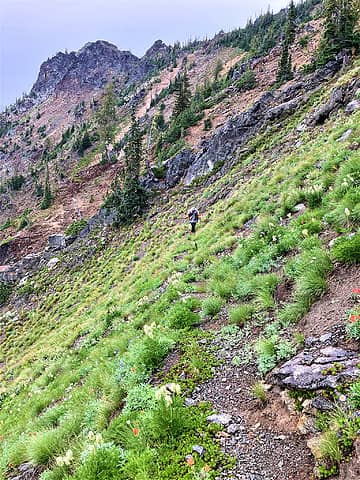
(52,263)
(299,208)
(352,107)
(57,241)
(221,418)
(324,111)
(318,368)
(345,135)
(351,470)
(27,471)
(177,166)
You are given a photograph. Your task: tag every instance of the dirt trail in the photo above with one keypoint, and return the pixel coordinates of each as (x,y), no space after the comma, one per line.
(264,441)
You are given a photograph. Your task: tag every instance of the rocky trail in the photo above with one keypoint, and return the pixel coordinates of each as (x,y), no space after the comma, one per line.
(263,439)
(269,441)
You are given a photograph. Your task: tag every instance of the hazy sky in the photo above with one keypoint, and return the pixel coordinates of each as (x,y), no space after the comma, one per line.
(33,30)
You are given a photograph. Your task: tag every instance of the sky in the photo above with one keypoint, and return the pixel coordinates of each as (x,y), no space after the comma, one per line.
(33,30)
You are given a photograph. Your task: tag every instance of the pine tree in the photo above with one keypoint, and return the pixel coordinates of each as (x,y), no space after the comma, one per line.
(285,72)
(129,199)
(340,29)
(291,23)
(47,196)
(218,68)
(133,152)
(106,116)
(183,94)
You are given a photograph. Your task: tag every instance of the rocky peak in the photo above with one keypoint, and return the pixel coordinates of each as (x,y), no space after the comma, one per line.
(52,71)
(159,47)
(95,64)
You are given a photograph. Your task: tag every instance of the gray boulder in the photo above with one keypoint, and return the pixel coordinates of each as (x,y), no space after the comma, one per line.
(352,107)
(326,367)
(177,166)
(57,241)
(221,418)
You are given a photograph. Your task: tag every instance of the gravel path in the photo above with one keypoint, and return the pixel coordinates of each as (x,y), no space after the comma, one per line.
(264,441)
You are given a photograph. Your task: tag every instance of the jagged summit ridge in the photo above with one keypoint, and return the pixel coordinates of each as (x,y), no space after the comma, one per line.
(92,67)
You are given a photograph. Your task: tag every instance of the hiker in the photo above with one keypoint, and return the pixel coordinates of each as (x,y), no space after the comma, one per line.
(193,215)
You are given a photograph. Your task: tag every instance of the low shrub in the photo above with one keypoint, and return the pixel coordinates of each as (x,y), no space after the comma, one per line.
(247,81)
(5,292)
(102,464)
(347,250)
(241,314)
(74,229)
(181,315)
(271,350)
(259,392)
(211,306)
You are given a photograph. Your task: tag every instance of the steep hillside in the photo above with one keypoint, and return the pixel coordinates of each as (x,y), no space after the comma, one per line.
(67,94)
(80,355)
(147,352)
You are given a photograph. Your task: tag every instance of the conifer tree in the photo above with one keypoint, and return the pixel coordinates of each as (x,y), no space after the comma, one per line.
(106,116)
(133,152)
(340,29)
(183,94)
(128,197)
(47,196)
(285,72)
(291,23)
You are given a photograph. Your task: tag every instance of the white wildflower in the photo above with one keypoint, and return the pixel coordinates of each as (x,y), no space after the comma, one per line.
(174,388)
(60,461)
(347,212)
(91,436)
(149,330)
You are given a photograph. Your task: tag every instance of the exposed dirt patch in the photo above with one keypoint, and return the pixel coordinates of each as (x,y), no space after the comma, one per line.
(332,308)
(171,360)
(284,291)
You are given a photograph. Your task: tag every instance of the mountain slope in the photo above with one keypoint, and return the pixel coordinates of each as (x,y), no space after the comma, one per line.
(80,352)
(146,352)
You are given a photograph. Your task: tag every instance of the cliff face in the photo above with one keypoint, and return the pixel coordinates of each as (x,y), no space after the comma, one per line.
(91,67)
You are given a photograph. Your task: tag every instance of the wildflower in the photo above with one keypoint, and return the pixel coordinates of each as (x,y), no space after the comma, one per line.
(135,431)
(149,330)
(60,461)
(92,448)
(356,291)
(174,388)
(207,468)
(91,436)
(305,232)
(347,212)
(68,457)
(190,460)
(160,392)
(354,318)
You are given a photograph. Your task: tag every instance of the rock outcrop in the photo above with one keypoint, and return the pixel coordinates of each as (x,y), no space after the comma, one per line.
(227,141)
(318,368)
(92,67)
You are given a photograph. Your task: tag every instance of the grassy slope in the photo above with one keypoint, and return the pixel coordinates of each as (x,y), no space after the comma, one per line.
(53,394)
